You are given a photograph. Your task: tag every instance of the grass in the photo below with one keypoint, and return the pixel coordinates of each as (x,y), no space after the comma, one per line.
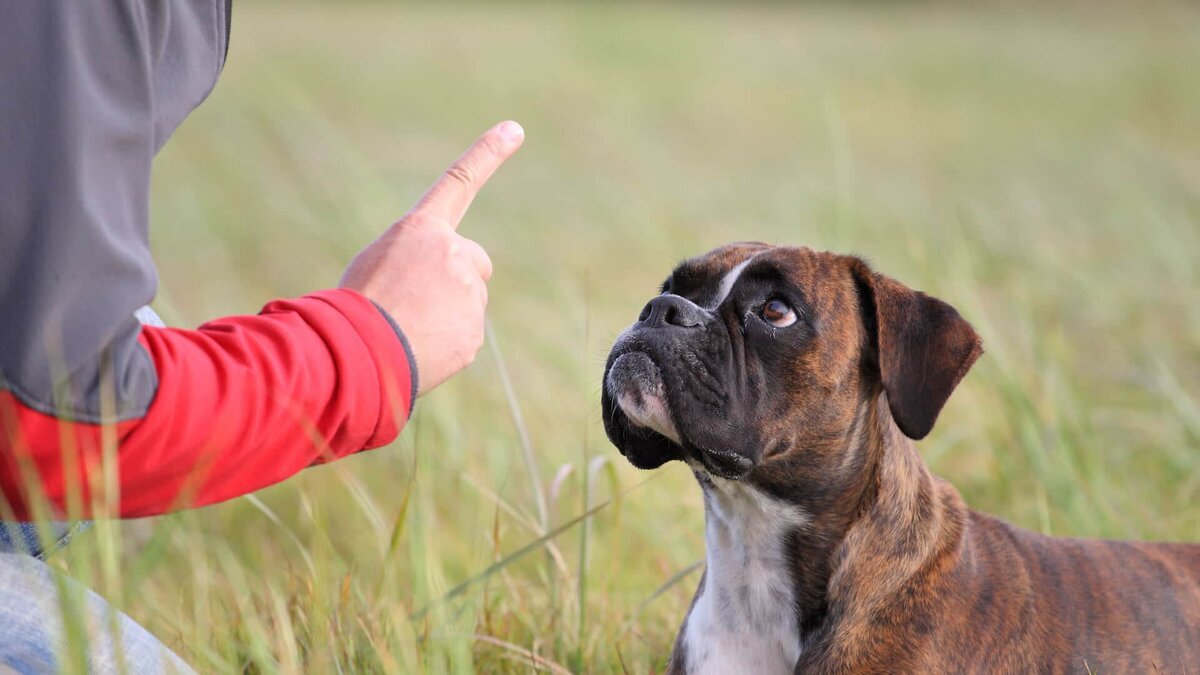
(1037,168)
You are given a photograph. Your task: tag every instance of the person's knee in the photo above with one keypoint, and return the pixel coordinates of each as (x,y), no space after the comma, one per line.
(36,638)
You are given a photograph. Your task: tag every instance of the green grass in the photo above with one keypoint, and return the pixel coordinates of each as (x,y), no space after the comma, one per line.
(1038,169)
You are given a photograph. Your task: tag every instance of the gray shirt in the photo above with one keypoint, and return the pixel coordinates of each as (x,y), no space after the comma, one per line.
(89,91)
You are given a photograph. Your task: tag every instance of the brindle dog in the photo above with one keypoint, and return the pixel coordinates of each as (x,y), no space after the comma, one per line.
(793,383)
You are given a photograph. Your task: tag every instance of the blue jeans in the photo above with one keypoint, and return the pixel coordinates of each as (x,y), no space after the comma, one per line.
(35,598)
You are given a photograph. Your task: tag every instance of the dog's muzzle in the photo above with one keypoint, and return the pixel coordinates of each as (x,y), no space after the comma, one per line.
(636,383)
(655,407)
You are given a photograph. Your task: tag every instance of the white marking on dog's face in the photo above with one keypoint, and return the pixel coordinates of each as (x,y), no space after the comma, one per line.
(727,283)
(745,619)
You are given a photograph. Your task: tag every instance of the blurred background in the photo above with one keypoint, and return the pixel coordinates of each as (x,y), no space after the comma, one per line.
(1036,166)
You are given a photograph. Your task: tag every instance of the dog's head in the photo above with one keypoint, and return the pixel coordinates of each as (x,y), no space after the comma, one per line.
(753,355)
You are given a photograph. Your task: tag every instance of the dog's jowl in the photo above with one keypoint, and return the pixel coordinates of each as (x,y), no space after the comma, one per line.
(793,383)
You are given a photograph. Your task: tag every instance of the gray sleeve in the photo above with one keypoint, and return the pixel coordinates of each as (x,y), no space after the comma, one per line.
(89,90)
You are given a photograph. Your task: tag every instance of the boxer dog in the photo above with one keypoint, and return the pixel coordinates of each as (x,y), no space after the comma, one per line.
(793,383)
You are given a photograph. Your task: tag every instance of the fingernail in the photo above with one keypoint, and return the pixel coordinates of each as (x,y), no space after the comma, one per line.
(512,132)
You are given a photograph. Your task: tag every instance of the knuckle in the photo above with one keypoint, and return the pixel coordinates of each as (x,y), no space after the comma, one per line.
(491,144)
(482,261)
(462,173)
(463,244)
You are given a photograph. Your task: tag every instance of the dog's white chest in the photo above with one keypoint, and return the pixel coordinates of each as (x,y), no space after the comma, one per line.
(745,619)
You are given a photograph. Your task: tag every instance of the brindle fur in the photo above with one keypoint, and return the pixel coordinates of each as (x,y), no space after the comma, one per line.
(894,573)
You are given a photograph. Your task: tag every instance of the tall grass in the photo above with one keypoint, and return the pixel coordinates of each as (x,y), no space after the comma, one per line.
(1037,168)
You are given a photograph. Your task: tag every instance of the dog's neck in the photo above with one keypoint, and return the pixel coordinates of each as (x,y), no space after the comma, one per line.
(783,550)
(905,503)
(744,617)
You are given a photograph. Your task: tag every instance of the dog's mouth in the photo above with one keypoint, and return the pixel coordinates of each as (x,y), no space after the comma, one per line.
(638,392)
(722,464)
(635,382)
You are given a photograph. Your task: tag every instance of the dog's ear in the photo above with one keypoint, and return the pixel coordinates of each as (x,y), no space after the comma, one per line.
(919,346)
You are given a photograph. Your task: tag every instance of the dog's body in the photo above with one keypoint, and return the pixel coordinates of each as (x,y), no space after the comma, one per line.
(793,383)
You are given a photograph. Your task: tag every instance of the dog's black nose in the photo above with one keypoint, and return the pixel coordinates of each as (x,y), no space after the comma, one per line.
(672,310)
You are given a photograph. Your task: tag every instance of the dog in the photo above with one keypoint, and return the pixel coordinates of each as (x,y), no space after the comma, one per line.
(793,383)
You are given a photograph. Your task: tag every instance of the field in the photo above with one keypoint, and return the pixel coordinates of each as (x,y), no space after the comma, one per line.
(1037,168)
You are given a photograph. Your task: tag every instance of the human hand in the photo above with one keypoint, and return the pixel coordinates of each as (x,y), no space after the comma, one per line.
(432,280)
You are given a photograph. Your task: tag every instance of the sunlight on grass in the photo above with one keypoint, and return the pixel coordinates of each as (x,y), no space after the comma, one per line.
(1035,168)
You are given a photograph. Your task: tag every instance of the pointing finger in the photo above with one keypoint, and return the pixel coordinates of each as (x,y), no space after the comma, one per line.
(448,199)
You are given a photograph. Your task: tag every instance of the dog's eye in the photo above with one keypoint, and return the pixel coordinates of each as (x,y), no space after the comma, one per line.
(778,313)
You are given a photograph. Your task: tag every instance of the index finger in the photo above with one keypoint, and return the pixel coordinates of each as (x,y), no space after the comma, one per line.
(450,196)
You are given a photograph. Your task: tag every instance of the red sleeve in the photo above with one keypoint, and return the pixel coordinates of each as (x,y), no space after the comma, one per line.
(242,403)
